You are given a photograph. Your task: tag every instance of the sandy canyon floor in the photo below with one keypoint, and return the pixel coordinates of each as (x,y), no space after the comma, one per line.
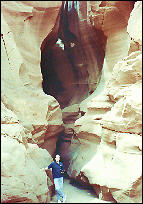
(77,194)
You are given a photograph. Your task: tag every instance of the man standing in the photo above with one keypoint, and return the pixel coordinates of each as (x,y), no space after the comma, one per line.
(57,169)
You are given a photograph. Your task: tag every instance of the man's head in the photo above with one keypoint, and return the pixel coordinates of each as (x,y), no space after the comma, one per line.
(57,158)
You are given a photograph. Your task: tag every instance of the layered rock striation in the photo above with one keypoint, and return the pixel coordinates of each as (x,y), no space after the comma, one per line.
(22,90)
(100,138)
(107,152)
(22,179)
(29,116)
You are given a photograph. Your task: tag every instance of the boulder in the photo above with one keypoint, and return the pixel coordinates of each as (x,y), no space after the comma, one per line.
(22,179)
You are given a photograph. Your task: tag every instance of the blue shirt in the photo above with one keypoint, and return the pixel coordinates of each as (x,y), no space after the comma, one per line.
(56,169)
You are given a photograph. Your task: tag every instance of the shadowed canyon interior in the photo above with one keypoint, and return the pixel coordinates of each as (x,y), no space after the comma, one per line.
(71,84)
(69,53)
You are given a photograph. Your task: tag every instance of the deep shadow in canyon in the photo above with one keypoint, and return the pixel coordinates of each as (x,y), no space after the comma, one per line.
(70,54)
(72,57)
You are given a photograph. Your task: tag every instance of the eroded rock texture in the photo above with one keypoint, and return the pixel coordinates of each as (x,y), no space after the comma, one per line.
(100,138)
(106,151)
(28,114)
(72,55)
(22,179)
(22,89)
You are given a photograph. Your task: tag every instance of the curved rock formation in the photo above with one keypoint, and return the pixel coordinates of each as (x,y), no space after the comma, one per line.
(72,55)
(22,179)
(99,138)
(28,114)
(106,151)
(22,90)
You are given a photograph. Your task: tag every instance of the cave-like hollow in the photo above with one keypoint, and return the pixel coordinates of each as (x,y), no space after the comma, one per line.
(72,57)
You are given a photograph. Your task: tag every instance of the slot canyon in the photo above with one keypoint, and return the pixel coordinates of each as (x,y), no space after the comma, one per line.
(71,84)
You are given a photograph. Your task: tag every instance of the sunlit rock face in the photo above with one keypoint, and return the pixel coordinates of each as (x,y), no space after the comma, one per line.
(19,183)
(119,133)
(22,179)
(134,27)
(28,114)
(106,151)
(23,29)
(112,18)
(72,55)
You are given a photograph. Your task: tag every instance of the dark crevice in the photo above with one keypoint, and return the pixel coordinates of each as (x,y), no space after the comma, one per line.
(69,53)
(72,57)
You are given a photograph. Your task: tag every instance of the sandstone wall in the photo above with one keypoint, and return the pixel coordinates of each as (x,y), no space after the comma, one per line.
(28,115)
(106,151)
(23,29)
(22,179)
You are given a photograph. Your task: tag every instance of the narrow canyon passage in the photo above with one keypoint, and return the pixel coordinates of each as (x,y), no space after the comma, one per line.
(71,85)
(78,194)
(72,56)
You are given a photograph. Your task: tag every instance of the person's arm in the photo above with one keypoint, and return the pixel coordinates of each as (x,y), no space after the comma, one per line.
(46,168)
(50,166)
